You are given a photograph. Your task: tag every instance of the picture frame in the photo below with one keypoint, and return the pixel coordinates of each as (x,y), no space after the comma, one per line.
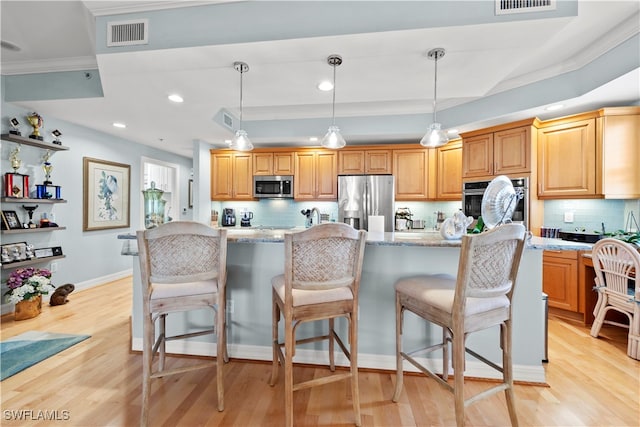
(10,220)
(106,194)
(190,194)
(16,252)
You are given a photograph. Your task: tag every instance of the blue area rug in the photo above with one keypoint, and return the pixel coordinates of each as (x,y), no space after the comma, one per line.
(24,350)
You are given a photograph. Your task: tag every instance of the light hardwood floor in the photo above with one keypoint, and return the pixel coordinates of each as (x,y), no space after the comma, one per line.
(591,382)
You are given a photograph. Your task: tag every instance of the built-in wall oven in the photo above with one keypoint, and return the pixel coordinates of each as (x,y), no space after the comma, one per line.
(472,193)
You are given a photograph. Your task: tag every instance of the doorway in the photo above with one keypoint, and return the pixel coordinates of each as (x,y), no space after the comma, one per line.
(165,177)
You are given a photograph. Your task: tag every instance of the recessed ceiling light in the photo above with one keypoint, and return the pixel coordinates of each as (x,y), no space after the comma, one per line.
(325,86)
(227,141)
(119,125)
(313,139)
(554,107)
(452,131)
(175,98)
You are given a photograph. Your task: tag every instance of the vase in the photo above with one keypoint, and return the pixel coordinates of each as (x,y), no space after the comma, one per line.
(28,309)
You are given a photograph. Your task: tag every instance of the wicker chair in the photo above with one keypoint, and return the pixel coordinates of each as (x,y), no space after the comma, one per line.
(477,299)
(617,264)
(323,265)
(183,267)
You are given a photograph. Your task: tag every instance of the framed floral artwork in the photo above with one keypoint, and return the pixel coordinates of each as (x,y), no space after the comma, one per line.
(106,194)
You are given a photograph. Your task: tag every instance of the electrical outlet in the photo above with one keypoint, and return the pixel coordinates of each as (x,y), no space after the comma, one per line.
(54,267)
(230,306)
(568,217)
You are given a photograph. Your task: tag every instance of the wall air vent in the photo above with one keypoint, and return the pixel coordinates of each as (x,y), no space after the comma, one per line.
(128,33)
(227,120)
(506,7)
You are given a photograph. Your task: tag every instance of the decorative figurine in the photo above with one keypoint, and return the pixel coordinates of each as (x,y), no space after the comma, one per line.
(30,210)
(14,127)
(35,120)
(15,160)
(57,134)
(28,252)
(5,256)
(47,167)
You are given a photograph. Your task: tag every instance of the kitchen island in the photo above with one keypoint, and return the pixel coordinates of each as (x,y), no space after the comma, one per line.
(256,255)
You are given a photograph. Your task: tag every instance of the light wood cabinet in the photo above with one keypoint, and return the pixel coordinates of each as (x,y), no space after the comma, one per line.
(231,176)
(449,171)
(316,175)
(412,169)
(501,150)
(560,279)
(356,162)
(277,163)
(590,155)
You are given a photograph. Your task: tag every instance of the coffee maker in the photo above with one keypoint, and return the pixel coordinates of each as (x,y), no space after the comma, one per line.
(228,217)
(245,221)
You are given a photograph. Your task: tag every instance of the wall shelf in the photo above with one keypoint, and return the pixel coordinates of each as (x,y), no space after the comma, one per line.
(33,142)
(28,200)
(32,230)
(30,261)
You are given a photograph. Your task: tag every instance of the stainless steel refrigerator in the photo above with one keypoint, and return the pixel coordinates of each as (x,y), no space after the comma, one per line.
(362,195)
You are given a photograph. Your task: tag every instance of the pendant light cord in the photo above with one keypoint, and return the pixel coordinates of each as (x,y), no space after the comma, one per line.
(241,73)
(435,91)
(333,104)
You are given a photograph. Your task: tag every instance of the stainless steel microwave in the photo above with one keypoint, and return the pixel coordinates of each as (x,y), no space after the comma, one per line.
(273,186)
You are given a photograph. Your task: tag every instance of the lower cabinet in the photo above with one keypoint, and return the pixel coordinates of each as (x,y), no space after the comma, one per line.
(560,279)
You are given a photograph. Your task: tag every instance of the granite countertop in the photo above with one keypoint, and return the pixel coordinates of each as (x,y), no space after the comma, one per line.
(428,238)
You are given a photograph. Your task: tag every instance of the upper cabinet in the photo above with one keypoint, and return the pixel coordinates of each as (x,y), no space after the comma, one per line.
(316,175)
(502,150)
(449,171)
(357,162)
(273,163)
(590,155)
(412,169)
(231,176)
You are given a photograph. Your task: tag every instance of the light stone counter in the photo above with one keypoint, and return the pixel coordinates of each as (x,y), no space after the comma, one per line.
(256,255)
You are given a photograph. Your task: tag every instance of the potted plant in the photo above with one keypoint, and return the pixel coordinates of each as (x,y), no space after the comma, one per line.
(26,287)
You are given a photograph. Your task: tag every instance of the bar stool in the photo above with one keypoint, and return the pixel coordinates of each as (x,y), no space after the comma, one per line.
(323,266)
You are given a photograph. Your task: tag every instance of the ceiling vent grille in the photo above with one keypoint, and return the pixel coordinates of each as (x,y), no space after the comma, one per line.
(128,33)
(227,120)
(506,7)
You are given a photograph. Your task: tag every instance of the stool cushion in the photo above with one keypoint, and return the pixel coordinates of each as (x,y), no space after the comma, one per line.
(438,291)
(174,290)
(306,297)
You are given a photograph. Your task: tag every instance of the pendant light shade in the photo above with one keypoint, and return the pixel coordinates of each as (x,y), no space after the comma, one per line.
(333,139)
(241,141)
(435,136)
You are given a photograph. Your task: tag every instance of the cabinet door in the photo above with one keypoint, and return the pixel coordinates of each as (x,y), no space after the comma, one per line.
(411,173)
(221,176)
(263,164)
(242,177)
(378,162)
(351,162)
(449,178)
(477,156)
(326,176)
(560,279)
(305,172)
(566,160)
(512,151)
(283,164)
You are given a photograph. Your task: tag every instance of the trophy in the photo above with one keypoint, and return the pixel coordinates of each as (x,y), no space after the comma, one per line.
(30,210)
(15,160)
(57,134)
(47,167)
(36,122)
(15,130)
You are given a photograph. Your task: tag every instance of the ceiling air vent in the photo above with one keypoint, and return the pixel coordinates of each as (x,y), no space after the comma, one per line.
(128,33)
(227,120)
(506,7)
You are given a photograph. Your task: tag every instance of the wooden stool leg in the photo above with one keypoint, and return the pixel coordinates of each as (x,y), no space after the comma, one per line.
(507,366)
(221,353)
(275,318)
(289,343)
(399,358)
(458,372)
(332,347)
(147,360)
(355,388)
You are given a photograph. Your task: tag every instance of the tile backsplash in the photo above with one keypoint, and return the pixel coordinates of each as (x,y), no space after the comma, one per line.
(587,214)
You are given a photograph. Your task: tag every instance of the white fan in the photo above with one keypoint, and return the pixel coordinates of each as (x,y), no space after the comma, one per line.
(499,202)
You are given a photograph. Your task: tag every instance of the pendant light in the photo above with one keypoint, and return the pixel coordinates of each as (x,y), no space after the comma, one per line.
(333,139)
(435,136)
(241,141)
